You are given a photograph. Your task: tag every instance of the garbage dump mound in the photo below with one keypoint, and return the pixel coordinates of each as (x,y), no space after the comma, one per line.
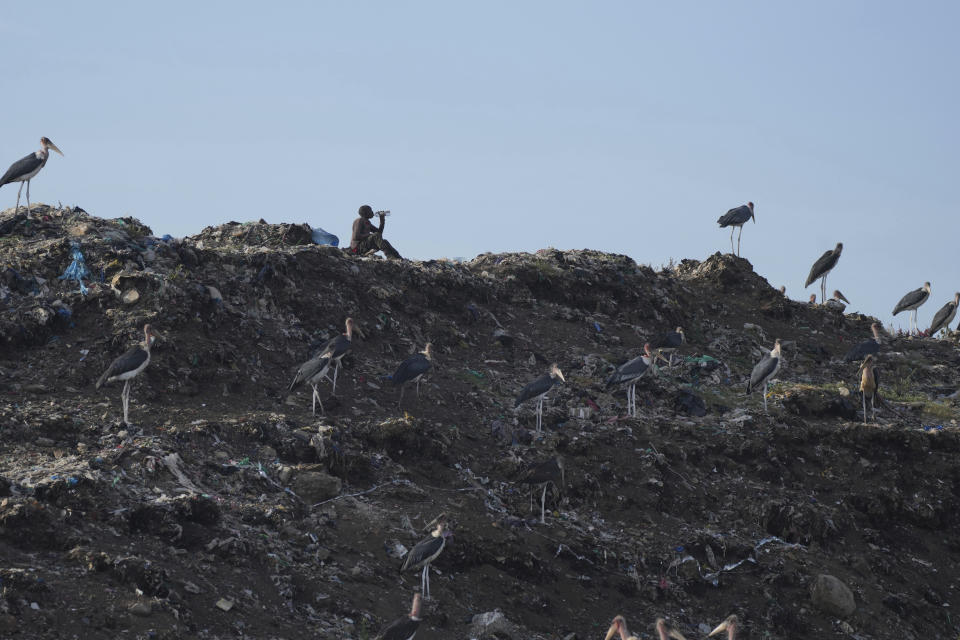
(228,510)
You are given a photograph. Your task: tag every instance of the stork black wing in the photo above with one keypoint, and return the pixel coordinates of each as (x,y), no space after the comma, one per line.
(914,298)
(821,266)
(21,167)
(539,386)
(628,371)
(426,550)
(410,368)
(762,371)
(943,316)
(129,361)
(669,340)
(862,350)
(400,629)
(309,369)
(737,215)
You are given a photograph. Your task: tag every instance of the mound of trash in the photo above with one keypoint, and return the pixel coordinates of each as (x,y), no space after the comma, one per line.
(229,509)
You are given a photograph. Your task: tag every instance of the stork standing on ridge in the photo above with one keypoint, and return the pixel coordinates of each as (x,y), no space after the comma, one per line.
(538,389)
(837,302)
(425,552)
(552,471)
(822,267)
(813,299)
(911,302)
(869,385)
(630,372)
(736,218)
(945,316)
(412,370)
(764,372)
(731,625)
(403,628)
(128,366)
(668,343)
(867,346)
(24,169)
(313,371)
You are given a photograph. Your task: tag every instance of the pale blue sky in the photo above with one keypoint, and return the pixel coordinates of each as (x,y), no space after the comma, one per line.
(499,126)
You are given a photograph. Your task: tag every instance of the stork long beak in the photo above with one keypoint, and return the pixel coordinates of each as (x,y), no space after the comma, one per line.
(720,628)
(754,218)
(673,633)
(560,375)
(842,297)
(49,144)
(612,631)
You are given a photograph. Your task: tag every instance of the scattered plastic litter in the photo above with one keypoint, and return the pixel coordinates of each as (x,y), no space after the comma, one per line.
(77,269)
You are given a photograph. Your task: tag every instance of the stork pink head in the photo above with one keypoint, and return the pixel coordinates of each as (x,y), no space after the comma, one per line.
(618,626)
(415,608)
(46,143)
(813,298)
(750,204)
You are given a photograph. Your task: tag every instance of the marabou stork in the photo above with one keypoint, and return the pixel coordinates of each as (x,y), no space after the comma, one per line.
(731,625)
(128,366)
(813,299)
(630,372)
(425,552)
(945,316)
(664,632)
(783,290)
(822,267)
(619,625)
(25,169)
(551,471)
(869,385)
(668,343)
(737,217)
(412,370)
(837,302)
(911,302)
(336,348)
(312,372)
(538,389)
(403,628)
(867,346)
(764,372)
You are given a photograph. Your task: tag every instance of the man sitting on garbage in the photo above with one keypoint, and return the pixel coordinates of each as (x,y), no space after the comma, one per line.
(367,238)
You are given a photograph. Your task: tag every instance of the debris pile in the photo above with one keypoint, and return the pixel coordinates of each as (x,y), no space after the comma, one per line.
(229,510)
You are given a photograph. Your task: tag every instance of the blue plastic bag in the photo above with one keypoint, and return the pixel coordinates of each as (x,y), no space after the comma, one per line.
(322,237)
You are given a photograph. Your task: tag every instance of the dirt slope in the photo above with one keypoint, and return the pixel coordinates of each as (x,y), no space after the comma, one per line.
(229,511)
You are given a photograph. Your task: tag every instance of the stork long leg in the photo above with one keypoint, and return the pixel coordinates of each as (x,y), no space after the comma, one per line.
(731,239)
(400,401)
(738,240)
(765,398)
(125,399)
(336,370)
(540,413)
(543,504)
(873,406)
(418,387)
(864,396)
(28,198)
(316,400)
